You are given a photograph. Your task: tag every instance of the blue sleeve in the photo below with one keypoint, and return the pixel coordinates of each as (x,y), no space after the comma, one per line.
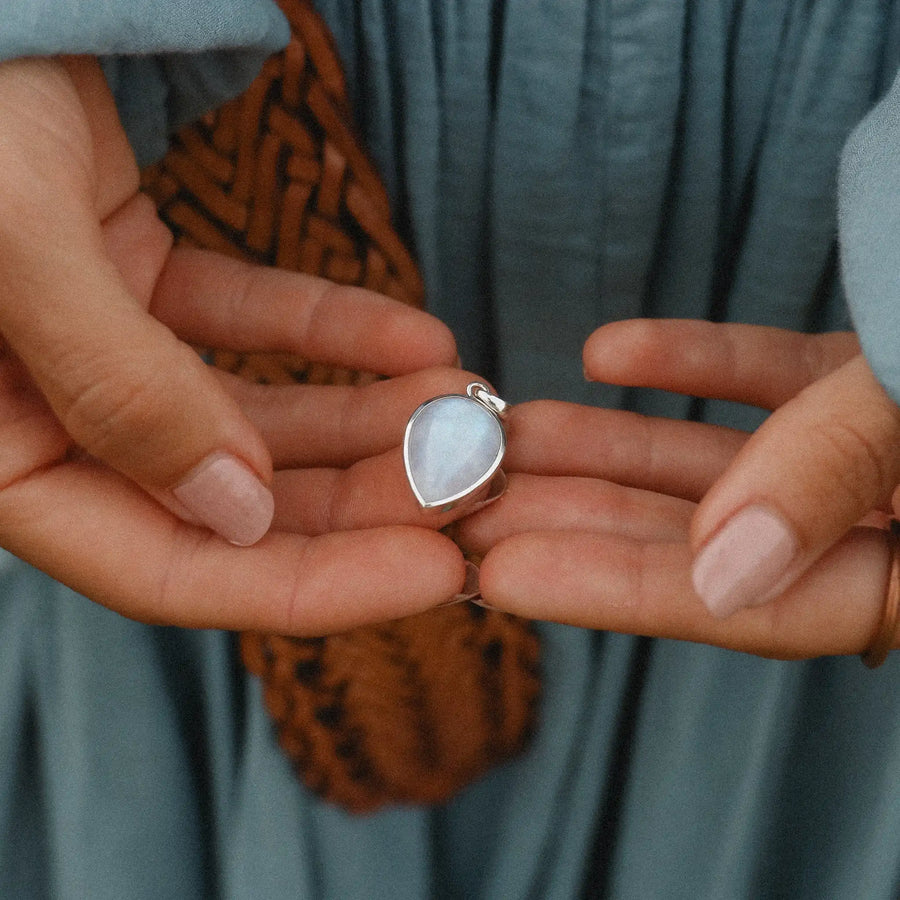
(869,229)
(167,62)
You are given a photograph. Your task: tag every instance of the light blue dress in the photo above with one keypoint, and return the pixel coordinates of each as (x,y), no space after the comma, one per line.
(555,165)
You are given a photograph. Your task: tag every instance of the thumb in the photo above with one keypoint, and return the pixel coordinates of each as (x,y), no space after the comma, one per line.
(818,465)
(125,388)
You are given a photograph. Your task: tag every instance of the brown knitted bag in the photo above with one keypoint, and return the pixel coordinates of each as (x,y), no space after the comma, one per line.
(408,711)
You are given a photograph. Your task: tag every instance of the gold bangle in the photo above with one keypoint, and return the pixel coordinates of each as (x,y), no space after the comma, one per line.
(883,641)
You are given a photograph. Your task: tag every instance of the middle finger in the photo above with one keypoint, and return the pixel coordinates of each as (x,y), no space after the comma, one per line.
(663,455)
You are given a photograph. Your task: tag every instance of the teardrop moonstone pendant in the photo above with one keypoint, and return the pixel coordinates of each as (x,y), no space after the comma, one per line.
(453,445)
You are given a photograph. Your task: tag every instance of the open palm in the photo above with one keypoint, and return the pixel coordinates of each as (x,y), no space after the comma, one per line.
(106,411)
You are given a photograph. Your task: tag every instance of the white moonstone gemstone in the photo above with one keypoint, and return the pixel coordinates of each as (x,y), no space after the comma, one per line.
(452,445)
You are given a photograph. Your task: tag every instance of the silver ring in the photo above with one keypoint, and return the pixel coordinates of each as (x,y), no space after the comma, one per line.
(453,445)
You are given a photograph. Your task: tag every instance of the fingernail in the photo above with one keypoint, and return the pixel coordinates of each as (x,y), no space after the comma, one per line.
(225,495)
(745,561)
(470,590)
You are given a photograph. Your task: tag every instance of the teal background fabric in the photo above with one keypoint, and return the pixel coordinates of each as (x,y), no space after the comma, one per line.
(45,27)
(168,62)
(556,165)
(869,198)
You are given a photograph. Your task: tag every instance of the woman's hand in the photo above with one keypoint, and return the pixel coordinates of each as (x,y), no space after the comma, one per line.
(129,469)
(609,541)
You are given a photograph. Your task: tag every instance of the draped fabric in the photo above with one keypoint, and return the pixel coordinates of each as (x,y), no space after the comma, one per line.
(153,52)
(555,165)
(561,165)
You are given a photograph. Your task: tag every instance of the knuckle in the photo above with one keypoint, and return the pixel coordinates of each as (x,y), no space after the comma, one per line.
(312,317)
(249,286)
(100,412)
(649,344)
(337,506)
(300,593)
(615,502)
(855,462)
(183,550)
(118,401)
(349,414)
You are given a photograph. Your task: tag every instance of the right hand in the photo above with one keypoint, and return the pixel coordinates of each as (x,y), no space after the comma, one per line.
(596,527)
(128,469)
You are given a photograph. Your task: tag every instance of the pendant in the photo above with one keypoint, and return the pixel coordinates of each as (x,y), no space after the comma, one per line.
(453,445)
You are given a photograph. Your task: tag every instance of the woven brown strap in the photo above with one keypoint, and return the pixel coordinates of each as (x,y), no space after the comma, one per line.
(409,711)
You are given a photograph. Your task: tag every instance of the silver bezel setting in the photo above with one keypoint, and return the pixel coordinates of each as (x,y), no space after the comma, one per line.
(476,393)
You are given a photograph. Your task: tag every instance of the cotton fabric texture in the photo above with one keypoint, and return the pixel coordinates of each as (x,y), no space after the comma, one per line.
(151,49)
(555,165)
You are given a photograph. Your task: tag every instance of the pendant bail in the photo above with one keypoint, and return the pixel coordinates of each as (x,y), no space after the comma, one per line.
(482,394)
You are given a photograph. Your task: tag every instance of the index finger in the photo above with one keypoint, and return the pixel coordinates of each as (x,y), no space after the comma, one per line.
(752,364)
(214,300)
(552,437)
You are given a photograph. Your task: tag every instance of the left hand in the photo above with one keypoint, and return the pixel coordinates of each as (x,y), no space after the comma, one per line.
(609,540)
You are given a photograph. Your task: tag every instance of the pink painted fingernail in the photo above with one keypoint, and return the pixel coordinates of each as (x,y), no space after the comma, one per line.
(745,561)
(225,495)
